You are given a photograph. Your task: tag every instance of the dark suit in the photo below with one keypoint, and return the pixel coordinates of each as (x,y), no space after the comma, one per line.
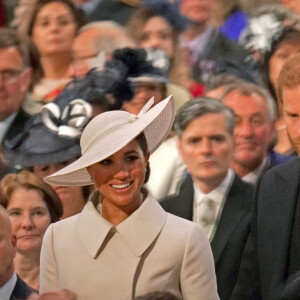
(272,252)
(21,290)
(231,233)
(17,125)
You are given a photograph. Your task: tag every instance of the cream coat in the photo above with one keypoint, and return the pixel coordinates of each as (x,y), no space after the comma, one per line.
(151,250)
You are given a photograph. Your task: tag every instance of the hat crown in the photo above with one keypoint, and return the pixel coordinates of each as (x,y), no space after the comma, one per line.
(102,125)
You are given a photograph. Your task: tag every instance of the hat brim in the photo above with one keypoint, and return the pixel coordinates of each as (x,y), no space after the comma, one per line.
(150,79)
(155,124)
(38,146)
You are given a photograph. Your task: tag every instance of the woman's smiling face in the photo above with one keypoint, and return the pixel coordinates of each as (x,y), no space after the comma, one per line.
(119,177)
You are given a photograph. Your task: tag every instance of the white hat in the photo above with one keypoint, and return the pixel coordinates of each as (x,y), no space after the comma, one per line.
(110,131)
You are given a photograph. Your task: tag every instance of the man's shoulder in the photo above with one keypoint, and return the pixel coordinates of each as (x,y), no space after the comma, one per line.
(286,170)
(242,186)
(241,190)
(185,191)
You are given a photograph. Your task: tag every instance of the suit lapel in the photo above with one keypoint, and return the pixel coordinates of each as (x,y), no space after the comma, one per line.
(233,212)
(17,125)
(21,290)
(186,198)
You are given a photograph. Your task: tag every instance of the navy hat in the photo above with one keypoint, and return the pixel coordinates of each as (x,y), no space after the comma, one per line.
(150,65)
(170,11)
(53,135)
(50,137)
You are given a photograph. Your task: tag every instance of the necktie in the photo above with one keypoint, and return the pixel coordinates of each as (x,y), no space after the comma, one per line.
(207,215)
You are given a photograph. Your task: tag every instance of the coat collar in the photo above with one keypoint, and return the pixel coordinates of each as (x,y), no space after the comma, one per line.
(138,231)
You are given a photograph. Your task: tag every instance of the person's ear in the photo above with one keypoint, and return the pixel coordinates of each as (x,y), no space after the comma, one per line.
(147,156)
(179,146)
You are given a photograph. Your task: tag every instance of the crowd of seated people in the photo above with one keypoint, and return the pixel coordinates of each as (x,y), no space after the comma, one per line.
(89,89)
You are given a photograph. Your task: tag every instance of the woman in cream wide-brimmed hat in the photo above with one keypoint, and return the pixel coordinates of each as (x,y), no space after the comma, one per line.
(123,244)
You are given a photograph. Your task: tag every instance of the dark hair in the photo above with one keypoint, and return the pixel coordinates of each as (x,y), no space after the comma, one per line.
(30,181)
(10,38)
(27,50)
(289,35)
(142,142)
(199,107)
(77,13)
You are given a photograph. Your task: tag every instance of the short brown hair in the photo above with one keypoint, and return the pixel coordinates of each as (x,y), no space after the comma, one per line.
(30,181)
(289,75)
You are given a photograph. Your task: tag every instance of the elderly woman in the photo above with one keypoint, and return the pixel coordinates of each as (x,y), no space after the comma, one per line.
(123,242)
(32,206)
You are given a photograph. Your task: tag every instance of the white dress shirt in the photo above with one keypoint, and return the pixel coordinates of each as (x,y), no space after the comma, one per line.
(253,176)
(218,195)
(7,289)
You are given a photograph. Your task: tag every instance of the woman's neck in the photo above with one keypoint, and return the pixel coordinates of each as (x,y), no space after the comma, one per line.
(73,206)
(28,268)
(56,66)
(117,214)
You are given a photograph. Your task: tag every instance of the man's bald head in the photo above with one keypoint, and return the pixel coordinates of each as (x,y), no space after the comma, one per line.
(4,220)
(7,247)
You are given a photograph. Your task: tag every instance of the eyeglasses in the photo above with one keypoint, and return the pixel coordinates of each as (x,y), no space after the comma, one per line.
(10,75)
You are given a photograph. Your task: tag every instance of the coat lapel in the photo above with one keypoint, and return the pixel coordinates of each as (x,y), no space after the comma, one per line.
(186,199)
(233,213)
(139,238)
(94,229)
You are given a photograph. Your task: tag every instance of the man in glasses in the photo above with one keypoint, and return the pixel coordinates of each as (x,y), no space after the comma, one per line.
(15,78)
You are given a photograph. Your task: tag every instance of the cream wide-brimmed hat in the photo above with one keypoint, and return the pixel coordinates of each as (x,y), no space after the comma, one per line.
(110,131)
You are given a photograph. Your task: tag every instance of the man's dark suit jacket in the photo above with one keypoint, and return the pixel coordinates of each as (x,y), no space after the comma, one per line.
(232,231)
(17,125)
(266,262)
(21,290)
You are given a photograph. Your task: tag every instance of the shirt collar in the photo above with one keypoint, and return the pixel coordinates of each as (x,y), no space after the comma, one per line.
(253,176)
(199,43)
(7,289)
(5,124)
(219,193)
(94,230)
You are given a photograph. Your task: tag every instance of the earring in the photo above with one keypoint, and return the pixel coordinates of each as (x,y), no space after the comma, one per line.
(92,179)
